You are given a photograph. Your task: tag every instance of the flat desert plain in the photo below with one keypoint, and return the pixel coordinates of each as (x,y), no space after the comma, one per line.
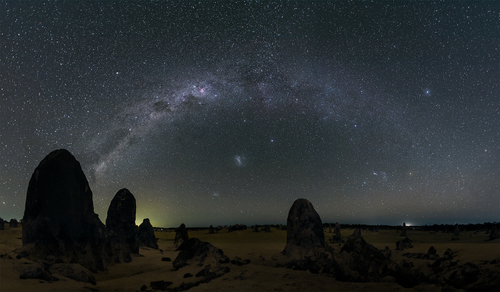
(259,275)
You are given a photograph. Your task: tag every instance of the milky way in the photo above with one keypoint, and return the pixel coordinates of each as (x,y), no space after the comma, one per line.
(226,112)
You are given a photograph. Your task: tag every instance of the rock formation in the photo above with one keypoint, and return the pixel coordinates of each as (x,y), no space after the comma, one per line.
(494,232)
(120,224)
(362,262)
(356,233)
(457,230)
(2,224)
(306,248)
(13,223)
(211,229)
(181,236)
(403,230)
(146,234)
(200,253)
(59,220)
(337,237)
(337,230)
(403,244)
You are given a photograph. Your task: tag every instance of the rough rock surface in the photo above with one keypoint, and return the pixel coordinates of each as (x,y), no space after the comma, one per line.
(35,271)
(403,244)
(59,218)
(356,233)
(198,252)
(362,262)
(73,271)
(13,223)
(120,224)
(306,248)
(146,234)
(181,236)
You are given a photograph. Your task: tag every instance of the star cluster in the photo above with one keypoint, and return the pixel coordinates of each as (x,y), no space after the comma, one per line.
(224,112)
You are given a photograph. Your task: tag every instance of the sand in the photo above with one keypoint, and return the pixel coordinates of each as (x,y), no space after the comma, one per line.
(260,275)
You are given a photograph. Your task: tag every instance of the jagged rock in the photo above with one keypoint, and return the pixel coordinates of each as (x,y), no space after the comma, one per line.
(387,252)
(59,218)
(36,271)
(356,233)
(403,244)
(120,224)
(181,236)
(146,234)
(306,248)
(73,271)
(403,229)
(13,223)
(202,253)
(362,262)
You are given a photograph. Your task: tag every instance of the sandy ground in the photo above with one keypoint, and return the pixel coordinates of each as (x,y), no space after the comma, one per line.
(260,275)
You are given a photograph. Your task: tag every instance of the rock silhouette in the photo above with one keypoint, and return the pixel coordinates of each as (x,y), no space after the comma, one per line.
(362,262)
(306,248)
(13,223)
(200,253)
(494,232)
(59,218)
(2,224)
(120,224)
(146,234)
(181,236)
(356,233)
(403,230)
(403,244)
(456,232)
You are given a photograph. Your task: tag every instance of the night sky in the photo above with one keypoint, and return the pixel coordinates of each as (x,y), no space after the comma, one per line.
(225,112)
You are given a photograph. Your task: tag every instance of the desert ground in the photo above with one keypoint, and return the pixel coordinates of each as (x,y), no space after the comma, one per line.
(261,274)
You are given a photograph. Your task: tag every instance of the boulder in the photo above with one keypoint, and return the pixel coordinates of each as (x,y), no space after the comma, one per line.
(362,262)
(35,271)
(403,244)
(356,233)
(59,219)
(306,248)
(181,236)
(120,224)
(73,271)
(200,253)
(13,223)
(146,234)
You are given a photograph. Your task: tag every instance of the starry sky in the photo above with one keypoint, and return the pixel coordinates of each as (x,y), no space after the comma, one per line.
(225,112)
